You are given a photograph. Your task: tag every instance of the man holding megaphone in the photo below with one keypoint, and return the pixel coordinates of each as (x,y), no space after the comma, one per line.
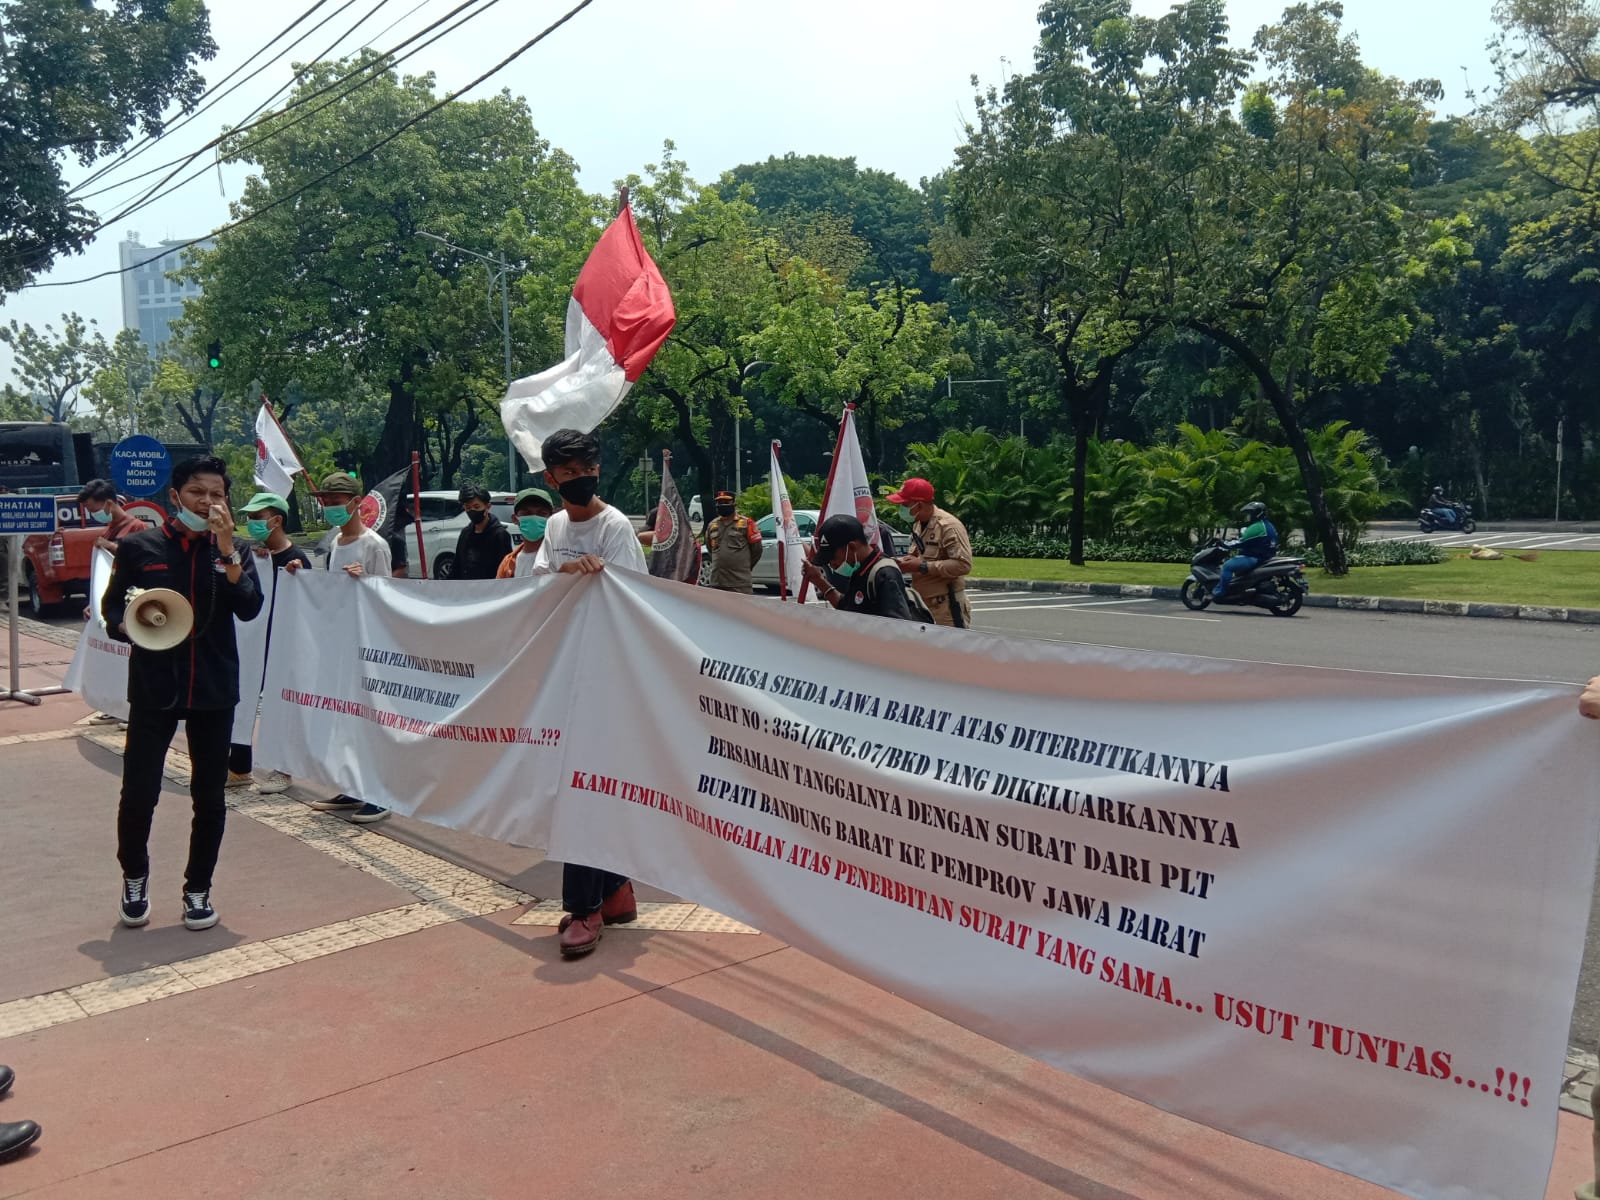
(175,593)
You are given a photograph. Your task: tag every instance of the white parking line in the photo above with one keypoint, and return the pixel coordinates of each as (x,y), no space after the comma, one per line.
(1052,603)
(1541,543)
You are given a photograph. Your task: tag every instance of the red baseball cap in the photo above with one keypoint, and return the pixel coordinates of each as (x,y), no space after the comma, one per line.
(913,491)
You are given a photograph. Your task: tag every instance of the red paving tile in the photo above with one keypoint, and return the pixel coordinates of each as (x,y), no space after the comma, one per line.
(233,1055)
(60,848)
(771,1077)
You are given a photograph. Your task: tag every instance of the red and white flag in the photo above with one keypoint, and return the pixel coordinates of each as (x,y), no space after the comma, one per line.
(620,313)
(276,461)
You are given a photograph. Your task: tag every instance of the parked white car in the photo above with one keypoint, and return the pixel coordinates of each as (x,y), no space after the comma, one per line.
(441,519)
(697,512)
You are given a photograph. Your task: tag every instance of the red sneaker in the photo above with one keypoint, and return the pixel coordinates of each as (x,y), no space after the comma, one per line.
(620,907)
(579,935)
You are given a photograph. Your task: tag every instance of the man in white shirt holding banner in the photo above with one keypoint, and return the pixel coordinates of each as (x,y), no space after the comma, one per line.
(586,536)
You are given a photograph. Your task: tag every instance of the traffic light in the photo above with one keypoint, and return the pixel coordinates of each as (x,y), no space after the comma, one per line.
(214,356)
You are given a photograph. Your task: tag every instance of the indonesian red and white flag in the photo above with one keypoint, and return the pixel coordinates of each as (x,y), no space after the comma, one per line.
(620,313)
(790,552)
(276,461)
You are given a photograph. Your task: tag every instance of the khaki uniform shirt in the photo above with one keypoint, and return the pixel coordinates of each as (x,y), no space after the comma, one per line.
(946,558)
(735,549)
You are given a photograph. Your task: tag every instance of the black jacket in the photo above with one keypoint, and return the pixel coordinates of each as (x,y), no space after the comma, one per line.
(881,593)
(202,671)
(479,552)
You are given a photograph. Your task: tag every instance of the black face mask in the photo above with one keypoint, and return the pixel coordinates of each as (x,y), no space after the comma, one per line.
(580,491)
(477,516)
(724,510)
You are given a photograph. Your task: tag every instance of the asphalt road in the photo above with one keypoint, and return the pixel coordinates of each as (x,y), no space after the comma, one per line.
(1320,637)
(1392,642)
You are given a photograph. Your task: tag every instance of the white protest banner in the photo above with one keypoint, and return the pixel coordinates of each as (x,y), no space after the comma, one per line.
(251,639)
(99,669)
(1333,912)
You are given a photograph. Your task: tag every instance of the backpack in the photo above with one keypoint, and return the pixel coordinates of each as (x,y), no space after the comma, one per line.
(919,607)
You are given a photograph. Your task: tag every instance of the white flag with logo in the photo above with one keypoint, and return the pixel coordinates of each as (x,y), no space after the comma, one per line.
(849,492)
(790,554)
(276,461)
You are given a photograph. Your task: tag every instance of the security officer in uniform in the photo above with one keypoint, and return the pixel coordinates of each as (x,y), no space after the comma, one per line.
(941,554)
(735,547)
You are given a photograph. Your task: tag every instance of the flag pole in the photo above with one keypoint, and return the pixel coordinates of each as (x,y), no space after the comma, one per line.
(416,517)
(827,489)
(783,575)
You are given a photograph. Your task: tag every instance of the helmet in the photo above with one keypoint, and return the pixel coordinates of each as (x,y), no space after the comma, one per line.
(1438,490)
(1254,511)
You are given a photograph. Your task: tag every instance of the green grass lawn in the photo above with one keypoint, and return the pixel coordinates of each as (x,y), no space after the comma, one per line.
(1567,580)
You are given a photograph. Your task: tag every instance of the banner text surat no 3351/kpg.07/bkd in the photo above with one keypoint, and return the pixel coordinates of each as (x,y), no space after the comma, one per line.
(1336,913)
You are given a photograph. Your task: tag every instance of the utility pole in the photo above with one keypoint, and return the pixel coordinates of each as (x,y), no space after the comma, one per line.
(1561,429)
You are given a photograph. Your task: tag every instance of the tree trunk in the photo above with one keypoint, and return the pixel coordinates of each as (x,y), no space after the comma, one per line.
(1310,474)
(396,442)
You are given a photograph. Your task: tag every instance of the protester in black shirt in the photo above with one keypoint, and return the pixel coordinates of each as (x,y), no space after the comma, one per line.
(485,542)
(196,682)
(872,580)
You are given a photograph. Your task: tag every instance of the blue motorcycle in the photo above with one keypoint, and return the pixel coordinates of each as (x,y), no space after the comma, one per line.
(1450,517)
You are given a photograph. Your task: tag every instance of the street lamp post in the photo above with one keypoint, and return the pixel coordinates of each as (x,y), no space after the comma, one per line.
(504,274)
(738,458)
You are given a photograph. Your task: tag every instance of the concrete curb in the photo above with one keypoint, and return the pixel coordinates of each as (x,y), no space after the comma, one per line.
(1390,604)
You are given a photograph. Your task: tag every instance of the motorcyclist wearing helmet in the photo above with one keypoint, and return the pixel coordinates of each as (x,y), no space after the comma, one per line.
(1444,508)
(1257,542)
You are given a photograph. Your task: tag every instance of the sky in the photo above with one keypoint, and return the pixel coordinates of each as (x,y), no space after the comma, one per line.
(887,82)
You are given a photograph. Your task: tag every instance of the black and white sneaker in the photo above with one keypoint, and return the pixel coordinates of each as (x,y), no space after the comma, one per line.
(136,901)
(367,814)
(338,804)
(197,910)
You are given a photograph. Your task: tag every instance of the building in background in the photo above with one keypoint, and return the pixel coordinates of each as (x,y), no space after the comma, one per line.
(151,301)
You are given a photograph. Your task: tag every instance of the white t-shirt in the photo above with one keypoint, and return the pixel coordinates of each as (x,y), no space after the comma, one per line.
(608,535)
(368,549)
(523,564)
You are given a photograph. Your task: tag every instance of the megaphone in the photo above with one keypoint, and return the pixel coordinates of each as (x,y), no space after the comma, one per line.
(157,618)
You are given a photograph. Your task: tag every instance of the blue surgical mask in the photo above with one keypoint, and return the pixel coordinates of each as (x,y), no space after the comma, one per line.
(336,514)
(905,511)
(532,527)
(193,521)
(259,530)
(103,517)
(845,570)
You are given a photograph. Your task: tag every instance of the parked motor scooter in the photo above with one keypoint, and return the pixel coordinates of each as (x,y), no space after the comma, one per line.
(1277,585)
(1447,518)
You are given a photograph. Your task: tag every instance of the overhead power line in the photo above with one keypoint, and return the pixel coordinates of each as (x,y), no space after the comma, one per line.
(153,188)
(372,70)
(213,95)
(184,159)
(343,166)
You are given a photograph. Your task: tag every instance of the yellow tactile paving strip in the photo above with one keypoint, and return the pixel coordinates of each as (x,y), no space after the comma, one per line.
(681,917)
(445,893)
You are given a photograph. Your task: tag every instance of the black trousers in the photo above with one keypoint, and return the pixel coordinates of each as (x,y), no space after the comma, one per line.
(149,735)
(584,889)
(241,759)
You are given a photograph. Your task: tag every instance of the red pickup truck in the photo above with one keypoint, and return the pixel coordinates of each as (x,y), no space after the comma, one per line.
(55,566)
